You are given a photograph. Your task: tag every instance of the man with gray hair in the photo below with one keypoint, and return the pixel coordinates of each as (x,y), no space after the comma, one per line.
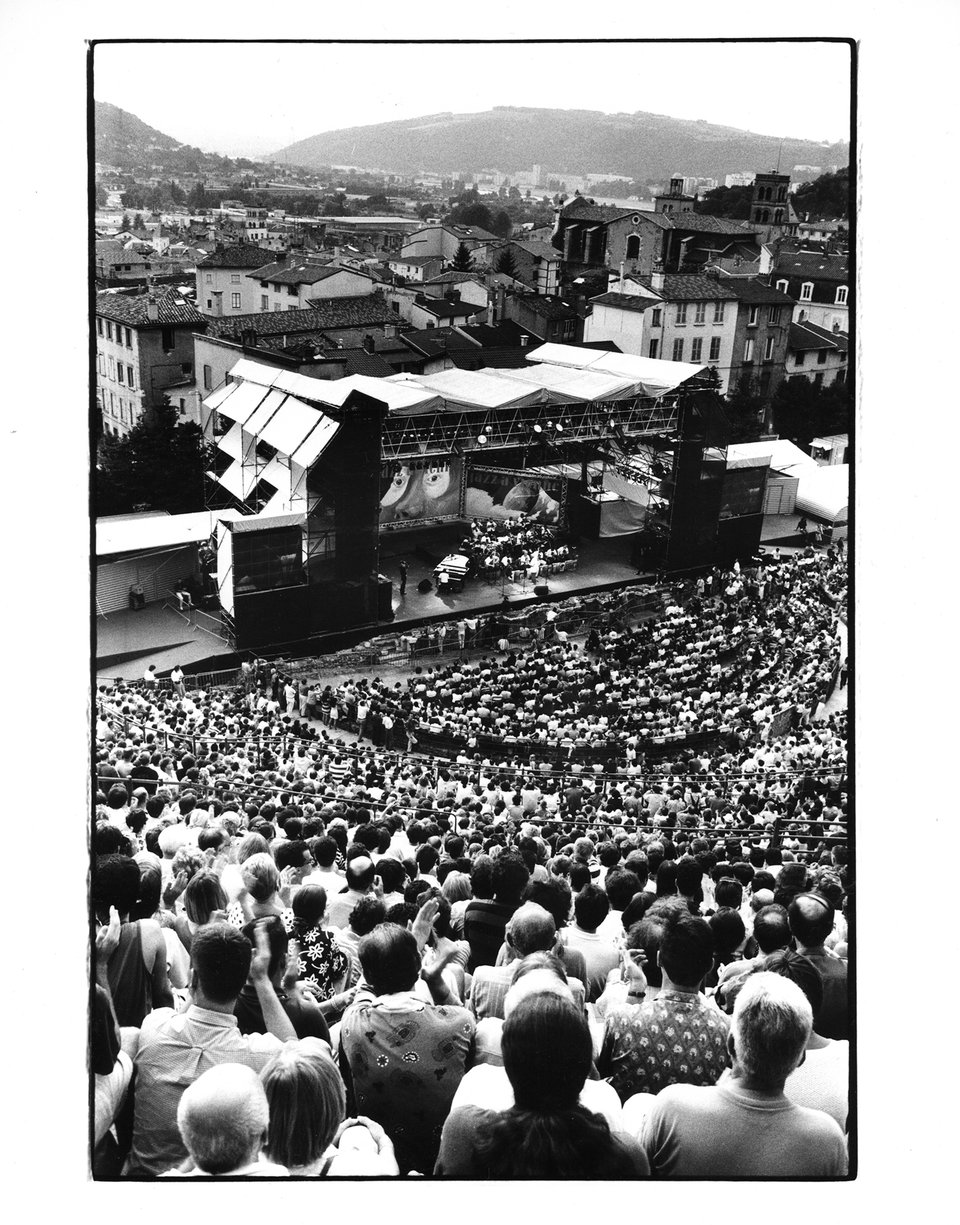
(531,929)
(223,1118)
(745,1126)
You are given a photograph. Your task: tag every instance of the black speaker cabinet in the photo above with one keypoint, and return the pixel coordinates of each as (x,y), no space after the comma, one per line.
(268,618)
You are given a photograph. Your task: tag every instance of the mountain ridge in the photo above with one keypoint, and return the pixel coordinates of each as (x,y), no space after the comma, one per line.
(642,144)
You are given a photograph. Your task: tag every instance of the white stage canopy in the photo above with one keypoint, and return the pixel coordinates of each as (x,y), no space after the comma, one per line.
(654,376)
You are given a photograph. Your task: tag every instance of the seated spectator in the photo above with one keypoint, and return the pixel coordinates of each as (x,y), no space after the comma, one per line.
(590,907)
(307,1132)
(547,1133)
(176,1048)
(136,972)
(640,1045)
(361,873)
(745,1126)
(811,921)
(322,964)
(484,922)
(405,1056)
(771,931)
(821,1081)
(299,1005)
(531,929)
(222,1117)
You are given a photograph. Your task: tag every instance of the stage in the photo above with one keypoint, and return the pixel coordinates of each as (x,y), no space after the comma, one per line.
(600,563)
(127,641)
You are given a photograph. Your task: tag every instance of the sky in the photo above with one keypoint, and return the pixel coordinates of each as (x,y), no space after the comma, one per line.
(250,99)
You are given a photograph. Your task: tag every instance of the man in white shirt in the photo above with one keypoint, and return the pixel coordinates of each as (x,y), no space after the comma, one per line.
(223,1118)
(590,907)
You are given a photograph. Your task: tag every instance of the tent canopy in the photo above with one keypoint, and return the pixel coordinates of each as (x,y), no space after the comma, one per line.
(654,376)
(151,531)
(825,492)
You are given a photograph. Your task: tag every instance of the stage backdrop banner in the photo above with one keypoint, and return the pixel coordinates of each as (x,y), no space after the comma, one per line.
(419,491)
(500,493)
(621,518)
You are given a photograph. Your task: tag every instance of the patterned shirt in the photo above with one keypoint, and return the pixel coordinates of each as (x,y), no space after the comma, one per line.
(678,1038)
(406,1059)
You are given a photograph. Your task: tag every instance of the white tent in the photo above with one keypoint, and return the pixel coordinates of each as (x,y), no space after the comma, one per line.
(825,492)
(655,377)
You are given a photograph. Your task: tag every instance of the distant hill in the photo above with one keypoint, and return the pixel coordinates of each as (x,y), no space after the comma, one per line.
(123,140)
(641,145)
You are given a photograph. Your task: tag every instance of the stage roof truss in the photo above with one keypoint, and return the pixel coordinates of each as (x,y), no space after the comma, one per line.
(440,433)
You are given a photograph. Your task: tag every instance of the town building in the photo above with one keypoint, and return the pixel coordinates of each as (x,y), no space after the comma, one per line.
(443,242)
(819,285)
(536,264)
(144,346)
(223,283)
(550,319)
(817,355)
(416,267)
(771,212)
(293,284)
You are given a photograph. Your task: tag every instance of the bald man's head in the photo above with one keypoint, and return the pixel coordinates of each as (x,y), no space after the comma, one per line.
(360,873)
(811,919)
(223,1118)
(537,982)
(531,930)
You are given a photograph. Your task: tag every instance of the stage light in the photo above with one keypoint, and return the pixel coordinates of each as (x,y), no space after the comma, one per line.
(559,428)
(481,440)
(538,429)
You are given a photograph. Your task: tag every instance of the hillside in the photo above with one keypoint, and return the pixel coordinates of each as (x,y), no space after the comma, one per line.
(641,145)
(121,139)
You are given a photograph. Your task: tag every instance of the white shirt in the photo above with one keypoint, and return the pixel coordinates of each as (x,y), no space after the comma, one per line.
(488,1087)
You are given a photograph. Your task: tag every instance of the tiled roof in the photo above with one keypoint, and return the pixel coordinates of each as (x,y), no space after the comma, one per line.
(690,287)
(533,247)
(451,278)
(330,313)
(548,308)
(359,361)
(298,273)
(352,338)
(473,231)
(241,255)
(497,359)
(701,223)
(809,336)
(581,209)
(416,261)
(747,289)
(448,310)
(813,266)
(430,342)
(132,311)
(625,301)
(505,334)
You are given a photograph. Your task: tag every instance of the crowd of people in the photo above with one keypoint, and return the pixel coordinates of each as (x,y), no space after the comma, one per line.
(320,958)
(497,545)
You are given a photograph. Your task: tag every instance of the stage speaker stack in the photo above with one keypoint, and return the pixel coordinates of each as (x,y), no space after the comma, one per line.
(541,589)
(424,586)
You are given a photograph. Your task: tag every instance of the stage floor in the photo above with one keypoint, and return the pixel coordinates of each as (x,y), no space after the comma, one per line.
(601,563)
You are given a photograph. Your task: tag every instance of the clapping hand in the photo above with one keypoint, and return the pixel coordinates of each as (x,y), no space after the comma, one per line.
(422,926)
(108,936)
(260,962)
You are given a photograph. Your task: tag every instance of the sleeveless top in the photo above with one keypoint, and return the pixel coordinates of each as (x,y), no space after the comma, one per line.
(130,983)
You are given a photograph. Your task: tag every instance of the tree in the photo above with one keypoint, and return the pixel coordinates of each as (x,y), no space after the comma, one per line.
(197,197)
(101,196)
(462,261)
(501,225)
(176,193)
(744,410)
(160,463)
(824,198)
(125,222)
(731,202)
(802,410)
(506,263)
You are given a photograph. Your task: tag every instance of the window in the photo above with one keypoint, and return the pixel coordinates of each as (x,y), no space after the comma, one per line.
(654,349)
(754,317)
(748,350)
(764,380)
(209,305)
(821,357)
(768,350)
(130,375)
(291,291)
(265,302)
(99,326)
(783,286)
(278,306)
(806,291)
(774,316)
(718,309)
(714,348)
(101,364)
(678,349)
(656,317)
(120,373)
(183,407)
(818,379)
(109,330)
(799,359)
(234,278)
(696,349)
(166,339)
(129,336)
(633,246)
(208,279)
(682,313)
(235,301)
(700,313)
(187,367)
(841,378)
(278,289)
(841,296)
(207,378)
